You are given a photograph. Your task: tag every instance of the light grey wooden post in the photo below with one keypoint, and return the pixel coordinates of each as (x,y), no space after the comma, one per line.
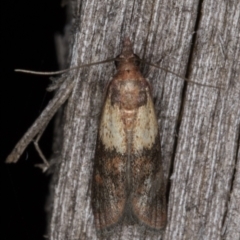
(199,126)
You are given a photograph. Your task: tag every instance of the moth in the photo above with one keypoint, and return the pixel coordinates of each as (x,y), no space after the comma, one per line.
(128,184)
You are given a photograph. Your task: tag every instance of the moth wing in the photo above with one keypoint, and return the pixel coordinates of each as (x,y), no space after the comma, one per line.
(108,189)
(148,196)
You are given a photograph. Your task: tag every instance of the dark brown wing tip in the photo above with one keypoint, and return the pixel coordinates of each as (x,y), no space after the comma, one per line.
(127,49)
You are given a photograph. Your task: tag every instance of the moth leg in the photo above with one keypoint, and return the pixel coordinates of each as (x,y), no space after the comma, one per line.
(45,165)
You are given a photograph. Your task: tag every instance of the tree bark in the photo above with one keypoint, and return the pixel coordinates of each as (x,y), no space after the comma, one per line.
(199,125)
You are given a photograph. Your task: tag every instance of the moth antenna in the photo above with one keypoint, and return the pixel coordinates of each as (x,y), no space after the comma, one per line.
(185,79)
(65,70)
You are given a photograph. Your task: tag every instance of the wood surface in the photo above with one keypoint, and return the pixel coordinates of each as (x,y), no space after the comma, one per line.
(199,125)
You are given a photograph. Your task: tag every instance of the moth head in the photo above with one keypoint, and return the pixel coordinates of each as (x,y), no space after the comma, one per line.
(133,59)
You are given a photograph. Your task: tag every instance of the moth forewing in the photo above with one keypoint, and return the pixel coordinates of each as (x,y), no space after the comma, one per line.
(128,186)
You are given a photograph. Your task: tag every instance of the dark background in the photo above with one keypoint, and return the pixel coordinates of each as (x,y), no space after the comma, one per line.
(27,41)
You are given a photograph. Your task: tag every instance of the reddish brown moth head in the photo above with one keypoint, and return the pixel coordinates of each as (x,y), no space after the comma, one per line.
(128,185)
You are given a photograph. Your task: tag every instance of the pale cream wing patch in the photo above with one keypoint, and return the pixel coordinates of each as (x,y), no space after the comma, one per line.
(146,127)
(112,132)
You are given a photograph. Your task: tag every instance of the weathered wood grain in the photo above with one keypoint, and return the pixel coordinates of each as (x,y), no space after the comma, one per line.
(199,126)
